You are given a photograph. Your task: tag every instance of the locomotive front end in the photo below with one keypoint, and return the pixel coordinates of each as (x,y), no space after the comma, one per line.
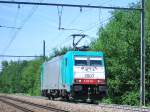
(89,77)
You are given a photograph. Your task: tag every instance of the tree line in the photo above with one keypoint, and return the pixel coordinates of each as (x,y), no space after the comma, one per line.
(21,77)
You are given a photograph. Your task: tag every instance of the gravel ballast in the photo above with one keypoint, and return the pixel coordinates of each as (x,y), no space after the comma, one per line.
(7,108)
(79,107)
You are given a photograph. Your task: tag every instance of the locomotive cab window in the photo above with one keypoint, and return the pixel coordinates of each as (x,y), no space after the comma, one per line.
(80,61)
(95,63)
(88,61)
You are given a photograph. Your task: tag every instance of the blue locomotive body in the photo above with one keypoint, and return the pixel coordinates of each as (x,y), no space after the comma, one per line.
(77,74)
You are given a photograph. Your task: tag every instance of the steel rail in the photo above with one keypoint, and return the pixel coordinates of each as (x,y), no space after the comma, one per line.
(16,106)
(125,107)
(36,105)
(68,5)
(106,106)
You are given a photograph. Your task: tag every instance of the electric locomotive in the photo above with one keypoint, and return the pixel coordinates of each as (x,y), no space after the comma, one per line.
(77,75)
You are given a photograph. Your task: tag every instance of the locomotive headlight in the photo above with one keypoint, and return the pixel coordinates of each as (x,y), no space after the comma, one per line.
(98,81)
(79,80)
(101,81)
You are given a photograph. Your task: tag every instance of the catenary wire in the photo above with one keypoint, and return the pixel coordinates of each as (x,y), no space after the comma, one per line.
(85,30)
(21,27)
(71,23)
(9,56)
(12,27)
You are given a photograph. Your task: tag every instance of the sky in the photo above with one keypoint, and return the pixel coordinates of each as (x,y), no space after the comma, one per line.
(33,24)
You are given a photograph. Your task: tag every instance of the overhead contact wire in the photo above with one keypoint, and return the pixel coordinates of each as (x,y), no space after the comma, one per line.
(21,27)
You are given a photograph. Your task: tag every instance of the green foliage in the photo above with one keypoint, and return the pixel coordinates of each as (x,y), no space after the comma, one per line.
(131,98)
(59,52)
(120,40)
(21,77)
(106,100)
(31,76)
(24,76)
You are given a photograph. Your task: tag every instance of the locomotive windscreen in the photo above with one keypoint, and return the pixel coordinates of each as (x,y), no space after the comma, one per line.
(81,61)
(87,61)
(95,62)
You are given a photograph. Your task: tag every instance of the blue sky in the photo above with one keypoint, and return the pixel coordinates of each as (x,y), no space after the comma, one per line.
(41,23)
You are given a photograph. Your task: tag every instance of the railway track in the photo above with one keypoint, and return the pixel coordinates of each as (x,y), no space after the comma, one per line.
(117,107)
(75,107)
(125,107)
(23,105)
(16,106)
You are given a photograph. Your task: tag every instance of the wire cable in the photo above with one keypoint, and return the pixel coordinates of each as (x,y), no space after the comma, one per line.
(12,27)
(102,23)
(21,27)
(71,29)
(86,30)
(16,56)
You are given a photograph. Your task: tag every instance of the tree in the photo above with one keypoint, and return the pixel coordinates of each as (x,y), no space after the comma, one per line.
(120,40)
(59,52)
(21,77)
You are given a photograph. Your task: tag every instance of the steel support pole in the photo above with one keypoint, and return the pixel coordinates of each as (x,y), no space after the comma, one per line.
(142,75)
(43,50)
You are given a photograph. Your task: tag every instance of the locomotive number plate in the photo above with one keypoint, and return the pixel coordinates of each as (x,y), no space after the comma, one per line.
(89,75)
